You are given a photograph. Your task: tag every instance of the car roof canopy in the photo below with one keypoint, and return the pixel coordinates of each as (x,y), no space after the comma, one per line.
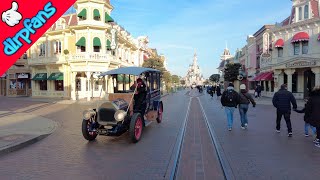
(136,71)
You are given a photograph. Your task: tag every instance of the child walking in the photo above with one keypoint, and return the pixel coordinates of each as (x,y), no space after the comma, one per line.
(306,123)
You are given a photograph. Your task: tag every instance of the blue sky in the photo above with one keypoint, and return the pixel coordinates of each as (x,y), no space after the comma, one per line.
(179,27)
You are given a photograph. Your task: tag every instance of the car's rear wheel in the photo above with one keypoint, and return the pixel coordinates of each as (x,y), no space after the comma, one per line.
(136,126)
(160,112)
(88,135)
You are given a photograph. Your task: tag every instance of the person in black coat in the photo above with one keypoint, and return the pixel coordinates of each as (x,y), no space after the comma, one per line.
(312,112)
(282,100)
(306,121)
(140,97)
(218,91)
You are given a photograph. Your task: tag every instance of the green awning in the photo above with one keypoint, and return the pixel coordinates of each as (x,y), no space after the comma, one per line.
(40,77)
(83,14)
(56,76)
(96,42)
(96,13)
(120,77)
(81,42)
(108,43)
(108,18)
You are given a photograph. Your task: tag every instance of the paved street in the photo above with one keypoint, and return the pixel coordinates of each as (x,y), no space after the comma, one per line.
(256,153)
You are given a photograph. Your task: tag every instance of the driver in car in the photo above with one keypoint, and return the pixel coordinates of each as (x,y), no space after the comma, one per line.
(140,97)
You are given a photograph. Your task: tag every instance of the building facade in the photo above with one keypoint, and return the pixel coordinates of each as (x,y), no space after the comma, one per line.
(296,60)
(65,61)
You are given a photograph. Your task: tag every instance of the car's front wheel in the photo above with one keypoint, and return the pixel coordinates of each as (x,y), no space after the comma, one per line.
(136,126)
(87,134)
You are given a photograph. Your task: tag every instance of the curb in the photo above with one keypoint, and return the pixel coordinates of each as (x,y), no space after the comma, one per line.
(20,145)
(24,143)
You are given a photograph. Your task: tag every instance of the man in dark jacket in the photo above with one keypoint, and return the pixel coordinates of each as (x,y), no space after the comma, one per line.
(312,112)
(140,97)
(230,100)
(282,100)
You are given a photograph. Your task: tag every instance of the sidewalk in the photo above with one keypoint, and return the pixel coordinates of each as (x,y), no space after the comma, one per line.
(268,101)
(18,130)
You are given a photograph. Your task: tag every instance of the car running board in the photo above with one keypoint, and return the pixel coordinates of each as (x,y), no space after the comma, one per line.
(147,122)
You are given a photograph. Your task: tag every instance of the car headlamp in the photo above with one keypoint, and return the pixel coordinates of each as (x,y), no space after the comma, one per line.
(87,114)
(120,115)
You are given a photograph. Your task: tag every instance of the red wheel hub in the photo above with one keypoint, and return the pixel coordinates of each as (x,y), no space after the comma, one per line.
(138,128)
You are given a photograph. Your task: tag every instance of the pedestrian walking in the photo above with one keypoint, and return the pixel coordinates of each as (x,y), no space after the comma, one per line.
(218,90)
(282,100)
(258,91)
(313,112)
(230,100)
(245,100)
(306,121)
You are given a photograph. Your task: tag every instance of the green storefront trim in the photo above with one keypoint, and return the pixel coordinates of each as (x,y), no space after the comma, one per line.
(108,18)
(83,14)
(96,13)
(108,43)
(56,76)
(81,42)
(40,77)
(96,42)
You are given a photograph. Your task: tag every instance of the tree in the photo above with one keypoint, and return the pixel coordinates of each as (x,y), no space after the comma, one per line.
(214,77)
(175,79)
(155,63)
(182,82)
(231,71)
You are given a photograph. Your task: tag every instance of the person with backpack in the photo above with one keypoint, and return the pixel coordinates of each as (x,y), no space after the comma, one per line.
(230,100)
(245,99)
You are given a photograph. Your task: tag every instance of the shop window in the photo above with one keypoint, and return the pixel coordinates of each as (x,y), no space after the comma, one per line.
(300,13)
(43,85)
(81,48)
(57,47)
(78,84)
(267,86)
(280,52)
(96,48)
(306,12)
(13,84)
(294,82)
(42,49)
(296,47)
(96,86)
(305,47)
(29,84)
(272,86)
(58,85)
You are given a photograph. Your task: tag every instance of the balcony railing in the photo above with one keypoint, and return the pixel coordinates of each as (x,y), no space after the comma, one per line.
(55,59)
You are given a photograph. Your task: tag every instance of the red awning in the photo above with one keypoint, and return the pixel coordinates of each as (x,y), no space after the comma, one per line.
(279,43)
(267,76)
(258,77)
(319,37)
(145,57)
(301,36)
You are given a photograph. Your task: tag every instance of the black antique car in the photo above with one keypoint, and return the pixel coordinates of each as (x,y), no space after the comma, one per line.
(116,112)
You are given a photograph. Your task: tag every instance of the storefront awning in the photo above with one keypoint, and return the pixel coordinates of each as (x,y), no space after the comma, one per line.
(81,42)
(279,43)
(96,42)
(96,13)
(56,76)
(301,36)
(108,18)
(108,43)
(268,76)
(258,77)
(83,14)
(40,77)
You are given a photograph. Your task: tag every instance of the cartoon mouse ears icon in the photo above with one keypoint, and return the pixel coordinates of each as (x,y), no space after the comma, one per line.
(12,17)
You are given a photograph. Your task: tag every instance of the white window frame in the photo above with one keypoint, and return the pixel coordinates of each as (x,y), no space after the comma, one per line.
(42,48)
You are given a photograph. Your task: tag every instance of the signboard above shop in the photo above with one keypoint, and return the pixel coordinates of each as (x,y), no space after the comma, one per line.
(23,76)
(301,64)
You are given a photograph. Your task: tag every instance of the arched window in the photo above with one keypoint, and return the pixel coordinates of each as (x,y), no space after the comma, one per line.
(300,13)
(306,12)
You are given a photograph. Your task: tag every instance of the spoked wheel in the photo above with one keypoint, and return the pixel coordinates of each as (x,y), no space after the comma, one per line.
(160,112)
(87,134)
(136,126)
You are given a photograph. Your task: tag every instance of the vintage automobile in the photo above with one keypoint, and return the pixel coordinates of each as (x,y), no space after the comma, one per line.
(115,113)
